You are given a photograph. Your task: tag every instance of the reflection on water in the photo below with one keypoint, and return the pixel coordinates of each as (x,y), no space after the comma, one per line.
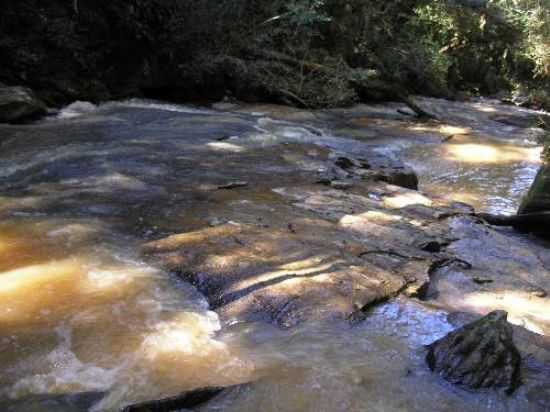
(492,176)
(487,153)
(523,308)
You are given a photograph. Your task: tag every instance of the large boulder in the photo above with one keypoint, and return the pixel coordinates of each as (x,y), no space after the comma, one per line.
(538,197)
(19,103)
(479,355)
(537,205)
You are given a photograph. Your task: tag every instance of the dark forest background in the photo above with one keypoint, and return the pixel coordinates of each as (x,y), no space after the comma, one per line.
(313,53)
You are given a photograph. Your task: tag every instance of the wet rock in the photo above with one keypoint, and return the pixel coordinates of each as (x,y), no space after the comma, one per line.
(378,168)
(479,355)
(19,103)
(177,403)
(537,292)
(404,177)
(285,275)
(216,222)
(538,198)
(517,120)
(482,281)
(537,201)
(233,185)
(341,185)
(349,163)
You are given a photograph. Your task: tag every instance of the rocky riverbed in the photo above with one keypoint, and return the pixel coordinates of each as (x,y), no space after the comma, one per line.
(149,249)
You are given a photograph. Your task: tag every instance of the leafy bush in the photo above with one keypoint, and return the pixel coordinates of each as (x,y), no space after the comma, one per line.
(299,49)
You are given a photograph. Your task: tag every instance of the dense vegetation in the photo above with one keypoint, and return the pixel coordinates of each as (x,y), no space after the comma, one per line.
(313,53)
(325,52)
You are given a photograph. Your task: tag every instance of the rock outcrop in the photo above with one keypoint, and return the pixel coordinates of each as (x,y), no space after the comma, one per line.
(379,168)
(479,355)
(537,201)
(19,103)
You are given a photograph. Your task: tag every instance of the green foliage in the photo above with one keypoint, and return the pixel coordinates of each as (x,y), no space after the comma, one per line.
(420,46)
(307,13)
(533,17)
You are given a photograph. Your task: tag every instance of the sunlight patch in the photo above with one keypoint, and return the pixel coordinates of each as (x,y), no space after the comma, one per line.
(524,310)
(485,153)
(226,147)
(373,216)
(31,277)
(443,129)
(406,199)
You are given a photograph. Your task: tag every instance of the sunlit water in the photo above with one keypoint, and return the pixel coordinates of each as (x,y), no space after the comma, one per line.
(490,175)
(77,315)
(472,156)
(80,310)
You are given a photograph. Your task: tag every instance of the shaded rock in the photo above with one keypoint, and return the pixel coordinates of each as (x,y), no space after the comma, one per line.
(285,275)
(482,281)
(537,292)
(379,168)
(341,185)
(481,354)
(537,204)
(176,403)
(521,120)
(19,103)
(538,198)
(404,177)
(74,402)
(233,185)
(349,163)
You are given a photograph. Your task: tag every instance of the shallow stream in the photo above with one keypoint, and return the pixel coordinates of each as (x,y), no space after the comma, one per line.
(81,309)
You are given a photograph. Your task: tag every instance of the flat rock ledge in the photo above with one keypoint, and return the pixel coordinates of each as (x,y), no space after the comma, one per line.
(479,355)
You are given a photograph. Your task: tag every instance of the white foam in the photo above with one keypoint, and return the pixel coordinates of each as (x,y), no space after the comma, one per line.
(66,372)
(76,109)
(188,333)
(153,104)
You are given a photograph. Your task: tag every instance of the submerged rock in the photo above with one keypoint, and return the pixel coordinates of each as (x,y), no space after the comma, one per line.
(18,103)
(377,168)
(176,403)
(479,355)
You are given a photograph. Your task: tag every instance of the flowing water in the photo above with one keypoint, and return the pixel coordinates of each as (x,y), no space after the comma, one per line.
(491,175)
(82,311)
(482,153)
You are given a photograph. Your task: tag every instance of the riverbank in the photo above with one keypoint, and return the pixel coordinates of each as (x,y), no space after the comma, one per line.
(170,247)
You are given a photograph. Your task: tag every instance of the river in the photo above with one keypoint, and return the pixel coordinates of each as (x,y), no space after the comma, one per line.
(83,310)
